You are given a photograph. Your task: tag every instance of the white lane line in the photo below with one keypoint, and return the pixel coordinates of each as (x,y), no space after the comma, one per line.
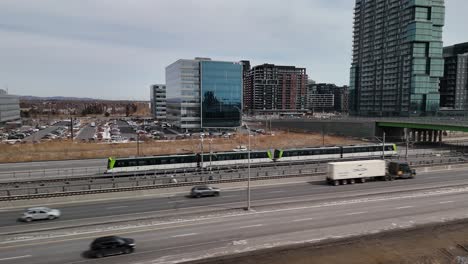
(250,226)
(18,257)
(303,220)
(404,207)
(356,213)
(116,207)
(446,202)
(179,201)
(277,191)
(186,235)
(227,196)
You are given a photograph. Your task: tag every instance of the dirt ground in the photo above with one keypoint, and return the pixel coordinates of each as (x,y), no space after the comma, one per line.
(445,243)
(64,150)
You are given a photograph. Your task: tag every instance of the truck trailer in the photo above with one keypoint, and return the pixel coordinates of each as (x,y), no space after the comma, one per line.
(364,170)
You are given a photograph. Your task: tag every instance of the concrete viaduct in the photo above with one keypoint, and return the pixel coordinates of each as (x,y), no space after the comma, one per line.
(416,129)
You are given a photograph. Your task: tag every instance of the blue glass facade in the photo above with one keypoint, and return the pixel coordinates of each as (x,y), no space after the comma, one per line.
(221,94)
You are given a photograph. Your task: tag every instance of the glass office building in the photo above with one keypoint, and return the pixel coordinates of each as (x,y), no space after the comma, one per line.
(221,94)
(202,93)
(397,57)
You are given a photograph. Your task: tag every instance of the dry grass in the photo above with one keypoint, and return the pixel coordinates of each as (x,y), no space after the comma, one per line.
(63,150)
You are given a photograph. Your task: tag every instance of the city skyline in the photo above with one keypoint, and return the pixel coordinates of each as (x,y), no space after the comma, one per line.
(115,50)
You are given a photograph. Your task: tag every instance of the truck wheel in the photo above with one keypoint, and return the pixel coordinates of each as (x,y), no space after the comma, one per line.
(336,182)
(363,180)
(344,182)
(352,181)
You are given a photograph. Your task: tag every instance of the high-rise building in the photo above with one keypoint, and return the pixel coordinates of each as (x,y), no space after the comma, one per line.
(454,84)
(202,93)
(271,88)
(158,101)
(397,57)
(9,107)
(327,97)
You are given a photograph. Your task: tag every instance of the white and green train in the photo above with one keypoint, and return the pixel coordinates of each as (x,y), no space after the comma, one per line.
(166,162)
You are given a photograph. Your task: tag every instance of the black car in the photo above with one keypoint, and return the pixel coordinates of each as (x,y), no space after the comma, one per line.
(111,245)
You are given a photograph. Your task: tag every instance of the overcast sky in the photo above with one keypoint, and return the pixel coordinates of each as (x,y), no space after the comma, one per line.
(114,49)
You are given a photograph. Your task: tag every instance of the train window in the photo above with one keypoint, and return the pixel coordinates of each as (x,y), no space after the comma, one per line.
(142,163)
(120,163)
(132,163)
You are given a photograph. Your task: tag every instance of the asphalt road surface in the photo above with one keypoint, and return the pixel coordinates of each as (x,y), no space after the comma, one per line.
(311,191)
(72,168)
(226,234)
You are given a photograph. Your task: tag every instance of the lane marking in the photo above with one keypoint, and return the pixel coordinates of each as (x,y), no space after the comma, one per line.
(116,207)
(18,257)
(277,191)
(228,196)
(303,219)
(186,235)
(250,226)
(404,207)
(178,201)
(446,202)
(356,213)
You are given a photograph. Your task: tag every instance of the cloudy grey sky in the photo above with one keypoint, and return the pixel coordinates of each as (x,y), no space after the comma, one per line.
(114,49)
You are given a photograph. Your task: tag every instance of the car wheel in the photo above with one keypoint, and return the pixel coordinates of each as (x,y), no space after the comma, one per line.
(127,251)
(51,217)
(98,255)
(216,194)
(28,219)
(198,195)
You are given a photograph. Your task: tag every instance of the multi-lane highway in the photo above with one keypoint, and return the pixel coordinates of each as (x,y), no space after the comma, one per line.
(323,212)
(234,197)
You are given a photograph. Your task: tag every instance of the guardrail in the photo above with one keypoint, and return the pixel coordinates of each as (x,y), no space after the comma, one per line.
(46,178)
(167,182)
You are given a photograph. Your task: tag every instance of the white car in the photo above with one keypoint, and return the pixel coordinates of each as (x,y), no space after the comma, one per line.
(40,213)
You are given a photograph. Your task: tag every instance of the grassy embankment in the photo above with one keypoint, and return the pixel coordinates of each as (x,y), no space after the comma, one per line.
(63,150)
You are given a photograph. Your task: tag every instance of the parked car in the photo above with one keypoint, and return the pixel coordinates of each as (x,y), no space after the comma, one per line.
(40,213)
(200,191)
(111,245)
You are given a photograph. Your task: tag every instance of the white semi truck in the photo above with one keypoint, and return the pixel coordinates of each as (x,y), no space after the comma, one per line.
(363,170)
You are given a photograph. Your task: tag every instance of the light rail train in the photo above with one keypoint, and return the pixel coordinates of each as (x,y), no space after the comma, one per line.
(216,159)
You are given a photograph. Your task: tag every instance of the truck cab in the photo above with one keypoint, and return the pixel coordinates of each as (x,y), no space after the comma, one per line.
(400,169)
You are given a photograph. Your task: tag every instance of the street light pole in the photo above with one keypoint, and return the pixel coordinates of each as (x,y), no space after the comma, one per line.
(248,178)
(201,137)
(138,144)
(211,153)
(383,146)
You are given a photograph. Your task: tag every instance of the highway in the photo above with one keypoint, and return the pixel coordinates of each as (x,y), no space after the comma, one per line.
(80,168)
(177,240)
(232,198)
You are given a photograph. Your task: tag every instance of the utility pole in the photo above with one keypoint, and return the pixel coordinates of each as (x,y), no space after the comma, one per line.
(323,135)
(383,146)
(211,153)
(138,144)
(71,127)
(407,144)
(248,178)
(201,148)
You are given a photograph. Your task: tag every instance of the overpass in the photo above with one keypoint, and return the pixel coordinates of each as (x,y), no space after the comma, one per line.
(418,129)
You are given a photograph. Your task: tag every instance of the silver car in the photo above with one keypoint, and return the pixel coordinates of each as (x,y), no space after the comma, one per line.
(200,191)
(40,213)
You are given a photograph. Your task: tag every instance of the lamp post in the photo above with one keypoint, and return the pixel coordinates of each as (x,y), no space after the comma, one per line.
(248,160)
(201,148)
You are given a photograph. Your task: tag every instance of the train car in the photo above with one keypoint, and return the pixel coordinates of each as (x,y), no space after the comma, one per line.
(237,158)
(152,163)
(308,154)
(374,150)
